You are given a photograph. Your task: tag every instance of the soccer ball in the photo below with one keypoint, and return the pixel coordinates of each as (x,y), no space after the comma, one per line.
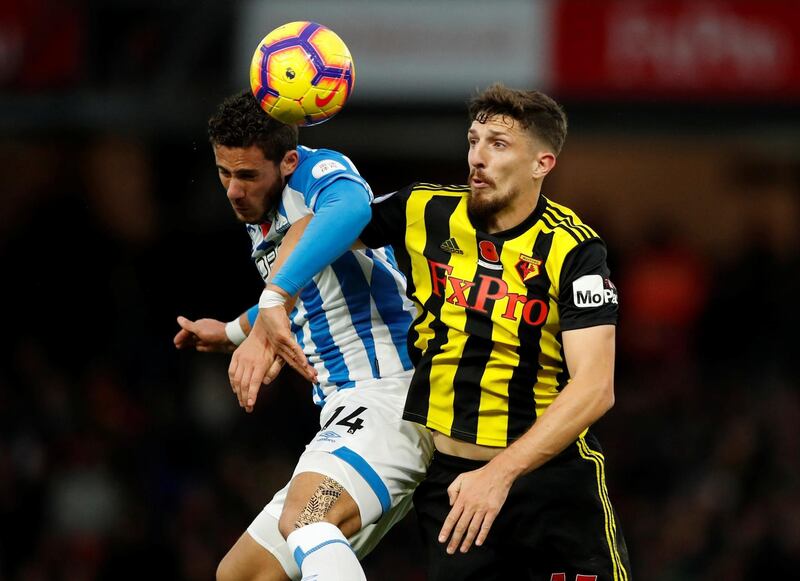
(302,73)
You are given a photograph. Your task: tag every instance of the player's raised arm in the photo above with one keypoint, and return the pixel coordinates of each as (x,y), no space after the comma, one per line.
(342,210)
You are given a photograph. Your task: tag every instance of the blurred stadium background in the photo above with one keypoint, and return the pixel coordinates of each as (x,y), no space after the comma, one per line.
(121,458)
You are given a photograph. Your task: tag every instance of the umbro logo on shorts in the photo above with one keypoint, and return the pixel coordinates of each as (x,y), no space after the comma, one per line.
(328,436)
(450,245)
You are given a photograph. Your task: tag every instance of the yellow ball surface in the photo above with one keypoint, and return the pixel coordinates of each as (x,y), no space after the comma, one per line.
(302,73)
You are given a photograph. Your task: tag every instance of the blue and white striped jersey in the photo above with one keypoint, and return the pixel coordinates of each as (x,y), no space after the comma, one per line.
(352,319)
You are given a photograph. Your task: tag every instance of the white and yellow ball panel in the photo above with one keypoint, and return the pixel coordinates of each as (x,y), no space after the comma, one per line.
(309,77)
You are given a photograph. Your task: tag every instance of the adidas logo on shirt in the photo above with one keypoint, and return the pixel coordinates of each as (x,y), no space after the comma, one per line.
(450,245)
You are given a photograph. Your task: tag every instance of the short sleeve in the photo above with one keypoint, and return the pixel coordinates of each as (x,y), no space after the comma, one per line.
(587,296)
(321,168)
(388,222)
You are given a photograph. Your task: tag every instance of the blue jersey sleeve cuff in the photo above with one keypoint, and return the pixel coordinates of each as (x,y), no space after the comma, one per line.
(252,315)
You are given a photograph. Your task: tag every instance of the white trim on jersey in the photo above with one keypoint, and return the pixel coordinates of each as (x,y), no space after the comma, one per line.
(386,353)
(341,328)
(383,198)
(295,205)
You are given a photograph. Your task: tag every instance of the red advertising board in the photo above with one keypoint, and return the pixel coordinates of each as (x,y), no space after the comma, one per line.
(735,49)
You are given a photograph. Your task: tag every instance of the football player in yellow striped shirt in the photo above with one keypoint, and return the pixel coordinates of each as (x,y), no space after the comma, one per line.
(513,348)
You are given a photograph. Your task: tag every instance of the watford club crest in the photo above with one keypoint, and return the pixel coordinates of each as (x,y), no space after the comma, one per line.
(528,267)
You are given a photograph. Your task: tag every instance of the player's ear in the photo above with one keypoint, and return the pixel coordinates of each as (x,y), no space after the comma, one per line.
(289,162)
(543,163)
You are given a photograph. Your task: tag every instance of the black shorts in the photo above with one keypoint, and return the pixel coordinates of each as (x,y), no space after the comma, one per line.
(557,523)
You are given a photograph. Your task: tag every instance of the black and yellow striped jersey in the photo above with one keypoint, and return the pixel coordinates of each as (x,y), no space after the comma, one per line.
(486,342)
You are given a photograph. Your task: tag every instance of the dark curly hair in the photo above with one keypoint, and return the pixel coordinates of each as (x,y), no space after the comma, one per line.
(240,122)
(534,110)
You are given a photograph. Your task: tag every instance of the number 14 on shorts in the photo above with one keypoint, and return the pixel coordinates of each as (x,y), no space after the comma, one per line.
(563,577)
(352,422)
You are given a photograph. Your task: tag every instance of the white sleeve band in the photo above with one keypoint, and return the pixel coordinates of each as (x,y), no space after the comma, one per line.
(271,298)
(234,331)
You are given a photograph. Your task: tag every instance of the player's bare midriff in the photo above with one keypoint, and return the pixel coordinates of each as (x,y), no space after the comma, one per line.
(452,447)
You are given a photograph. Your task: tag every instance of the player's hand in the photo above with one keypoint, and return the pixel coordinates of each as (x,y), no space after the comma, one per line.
(476,498)
(280,336)
(253,364)
(205,335)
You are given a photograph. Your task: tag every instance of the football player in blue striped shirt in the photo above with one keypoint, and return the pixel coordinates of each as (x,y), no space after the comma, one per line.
(356,476)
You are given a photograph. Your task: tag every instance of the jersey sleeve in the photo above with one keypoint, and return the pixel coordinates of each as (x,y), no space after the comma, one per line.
(587,297)
(388,222)
(321,169)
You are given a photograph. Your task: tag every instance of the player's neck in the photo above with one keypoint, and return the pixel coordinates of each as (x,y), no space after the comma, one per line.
(513,214)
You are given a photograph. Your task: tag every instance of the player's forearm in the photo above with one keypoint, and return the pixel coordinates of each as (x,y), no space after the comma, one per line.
(259,329)
(578,406)
(286,250)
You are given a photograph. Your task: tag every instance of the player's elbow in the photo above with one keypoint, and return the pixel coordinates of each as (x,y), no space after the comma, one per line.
(362,214)
(605,399)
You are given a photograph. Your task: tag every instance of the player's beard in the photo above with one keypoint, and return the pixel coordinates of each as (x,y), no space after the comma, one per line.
(484,203)
(273,199)
(270,203)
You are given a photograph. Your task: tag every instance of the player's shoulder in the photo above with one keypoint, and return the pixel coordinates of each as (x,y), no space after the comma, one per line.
(566,225)
(318,163)
(425,195)
(318,168)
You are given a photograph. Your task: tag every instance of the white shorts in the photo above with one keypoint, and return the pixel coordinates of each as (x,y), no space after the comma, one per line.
(365,445)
